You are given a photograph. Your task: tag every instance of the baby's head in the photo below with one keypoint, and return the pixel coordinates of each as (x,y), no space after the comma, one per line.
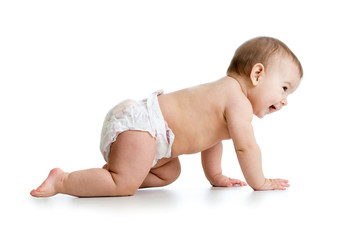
(270,72)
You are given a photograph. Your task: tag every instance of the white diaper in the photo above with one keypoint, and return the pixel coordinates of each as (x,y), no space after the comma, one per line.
(142,115)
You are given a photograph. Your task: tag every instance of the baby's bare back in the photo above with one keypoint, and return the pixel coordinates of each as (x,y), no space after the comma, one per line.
(197,115)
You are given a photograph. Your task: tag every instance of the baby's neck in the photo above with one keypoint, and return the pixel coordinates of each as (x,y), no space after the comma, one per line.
(242,82)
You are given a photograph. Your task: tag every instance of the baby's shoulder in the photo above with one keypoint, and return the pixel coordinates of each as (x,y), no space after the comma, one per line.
(236,101)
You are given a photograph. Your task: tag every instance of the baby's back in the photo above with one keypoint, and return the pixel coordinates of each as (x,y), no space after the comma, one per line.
(197,115)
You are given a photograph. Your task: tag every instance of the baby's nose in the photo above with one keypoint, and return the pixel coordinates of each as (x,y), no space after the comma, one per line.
(284,102)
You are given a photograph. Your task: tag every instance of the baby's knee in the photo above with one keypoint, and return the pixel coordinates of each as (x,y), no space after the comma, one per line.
(125,190)
(123,187)
(173,172)
(177,170)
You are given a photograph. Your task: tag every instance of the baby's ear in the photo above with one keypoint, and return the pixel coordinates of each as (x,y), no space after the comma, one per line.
(256,73)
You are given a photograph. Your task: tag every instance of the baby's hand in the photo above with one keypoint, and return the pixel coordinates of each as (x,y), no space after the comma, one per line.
(224,181)
(274,184)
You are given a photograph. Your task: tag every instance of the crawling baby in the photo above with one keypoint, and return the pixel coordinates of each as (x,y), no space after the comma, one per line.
(141,141)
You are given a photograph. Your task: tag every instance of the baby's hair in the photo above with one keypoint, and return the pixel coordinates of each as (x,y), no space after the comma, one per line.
(258,50)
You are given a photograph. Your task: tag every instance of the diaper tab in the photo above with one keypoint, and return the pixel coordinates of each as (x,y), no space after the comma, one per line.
(164,135)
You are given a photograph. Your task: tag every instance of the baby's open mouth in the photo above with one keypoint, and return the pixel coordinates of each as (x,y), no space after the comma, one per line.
(272,107)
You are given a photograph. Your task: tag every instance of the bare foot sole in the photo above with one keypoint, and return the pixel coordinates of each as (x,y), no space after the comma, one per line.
(47,188)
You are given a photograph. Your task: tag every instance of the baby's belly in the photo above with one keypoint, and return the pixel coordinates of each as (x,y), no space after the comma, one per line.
(194,143)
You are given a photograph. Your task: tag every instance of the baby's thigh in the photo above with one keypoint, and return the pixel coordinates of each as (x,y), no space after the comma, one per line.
(132,155)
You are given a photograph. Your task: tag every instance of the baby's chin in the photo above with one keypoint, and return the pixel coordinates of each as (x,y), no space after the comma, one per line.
(263,113)
(260,115)
(267,111)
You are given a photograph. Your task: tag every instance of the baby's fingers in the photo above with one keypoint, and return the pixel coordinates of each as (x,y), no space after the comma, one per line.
(237,182)
(279,184)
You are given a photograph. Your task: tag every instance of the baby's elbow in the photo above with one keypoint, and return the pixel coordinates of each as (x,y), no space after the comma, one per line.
(246,148)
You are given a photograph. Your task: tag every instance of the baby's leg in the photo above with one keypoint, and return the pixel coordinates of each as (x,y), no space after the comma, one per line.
(75,183)
(130,161)
(165,172)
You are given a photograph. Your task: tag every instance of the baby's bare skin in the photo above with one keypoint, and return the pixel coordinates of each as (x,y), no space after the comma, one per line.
(197,115)
(200,118)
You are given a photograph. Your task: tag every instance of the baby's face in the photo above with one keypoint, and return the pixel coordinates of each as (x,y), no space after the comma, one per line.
(280,79)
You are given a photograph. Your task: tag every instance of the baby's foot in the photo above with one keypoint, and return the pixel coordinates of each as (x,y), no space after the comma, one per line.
(48,188)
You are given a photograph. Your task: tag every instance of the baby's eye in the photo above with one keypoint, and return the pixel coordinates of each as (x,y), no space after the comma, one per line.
(285,88)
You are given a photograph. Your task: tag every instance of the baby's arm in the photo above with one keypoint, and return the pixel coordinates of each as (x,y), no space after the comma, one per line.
(211,161)
(239,117)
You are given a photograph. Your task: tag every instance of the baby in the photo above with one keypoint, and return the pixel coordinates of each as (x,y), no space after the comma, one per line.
(142,140)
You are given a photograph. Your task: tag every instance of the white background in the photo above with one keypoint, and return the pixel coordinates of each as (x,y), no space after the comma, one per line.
(64,64)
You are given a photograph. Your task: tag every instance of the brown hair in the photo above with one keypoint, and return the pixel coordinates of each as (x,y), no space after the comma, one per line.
(258,50)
